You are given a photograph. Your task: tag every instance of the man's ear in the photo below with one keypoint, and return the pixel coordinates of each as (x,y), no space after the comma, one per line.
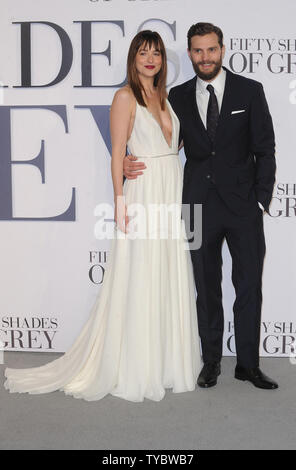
(223,51)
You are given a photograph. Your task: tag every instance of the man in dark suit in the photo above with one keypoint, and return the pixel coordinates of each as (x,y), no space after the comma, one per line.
(228,138)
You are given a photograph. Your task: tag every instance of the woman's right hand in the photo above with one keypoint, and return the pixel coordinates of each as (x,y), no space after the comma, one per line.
(120,214)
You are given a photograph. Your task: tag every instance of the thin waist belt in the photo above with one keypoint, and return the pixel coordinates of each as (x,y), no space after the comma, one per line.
(158,156)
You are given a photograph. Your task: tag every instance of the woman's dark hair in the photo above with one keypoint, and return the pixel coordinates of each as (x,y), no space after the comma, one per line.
(201,29)
(147,38)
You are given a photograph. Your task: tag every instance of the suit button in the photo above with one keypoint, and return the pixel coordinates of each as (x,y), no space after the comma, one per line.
(213,152)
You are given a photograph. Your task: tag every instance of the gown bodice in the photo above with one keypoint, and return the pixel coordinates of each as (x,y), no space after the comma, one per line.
(147,138)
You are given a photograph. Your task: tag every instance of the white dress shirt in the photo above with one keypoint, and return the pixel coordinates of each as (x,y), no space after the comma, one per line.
(203,95)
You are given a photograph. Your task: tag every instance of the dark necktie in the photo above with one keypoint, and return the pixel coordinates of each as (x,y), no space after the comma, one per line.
(212,113)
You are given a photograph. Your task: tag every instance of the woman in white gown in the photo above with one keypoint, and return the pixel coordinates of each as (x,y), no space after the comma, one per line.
(141,336)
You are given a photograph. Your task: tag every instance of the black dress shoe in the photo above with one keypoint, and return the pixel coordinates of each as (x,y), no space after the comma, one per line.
(208,375)
(256,376)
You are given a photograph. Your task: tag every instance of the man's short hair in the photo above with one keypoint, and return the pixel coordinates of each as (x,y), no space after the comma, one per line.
(201,29)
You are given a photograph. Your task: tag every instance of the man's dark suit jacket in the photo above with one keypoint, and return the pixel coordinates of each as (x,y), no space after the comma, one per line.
(241,162)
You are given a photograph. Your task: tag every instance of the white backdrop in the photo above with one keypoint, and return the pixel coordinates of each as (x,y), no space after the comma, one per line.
(52,264)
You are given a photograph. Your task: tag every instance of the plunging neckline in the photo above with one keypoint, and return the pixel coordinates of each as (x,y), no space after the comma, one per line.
(172,123)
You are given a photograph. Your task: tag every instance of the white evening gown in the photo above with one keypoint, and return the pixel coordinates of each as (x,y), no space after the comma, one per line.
(141,336)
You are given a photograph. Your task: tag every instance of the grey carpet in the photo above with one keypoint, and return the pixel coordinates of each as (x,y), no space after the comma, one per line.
(232,415)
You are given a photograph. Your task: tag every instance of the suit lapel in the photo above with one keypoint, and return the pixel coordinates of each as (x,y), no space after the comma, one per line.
(193,109)
(226,103)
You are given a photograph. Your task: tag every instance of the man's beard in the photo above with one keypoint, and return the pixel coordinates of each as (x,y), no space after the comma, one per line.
(207,75)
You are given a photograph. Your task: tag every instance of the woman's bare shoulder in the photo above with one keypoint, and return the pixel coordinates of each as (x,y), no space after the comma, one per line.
(124,96)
